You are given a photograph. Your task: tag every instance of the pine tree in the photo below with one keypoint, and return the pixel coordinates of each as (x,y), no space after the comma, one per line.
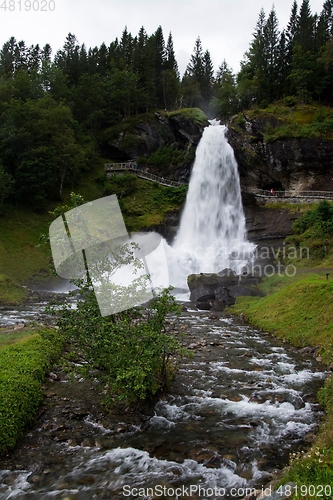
(171,63)
(305,28)
(271,42)
(7,56)
(207,78)
(195,68)
(291,30)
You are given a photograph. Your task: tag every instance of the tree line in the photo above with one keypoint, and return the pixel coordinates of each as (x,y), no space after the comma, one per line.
(54,109)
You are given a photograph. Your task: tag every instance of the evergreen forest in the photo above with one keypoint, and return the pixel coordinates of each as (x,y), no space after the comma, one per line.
(53,108)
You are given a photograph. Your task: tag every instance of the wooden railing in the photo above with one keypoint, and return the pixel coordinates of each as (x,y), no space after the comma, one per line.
(131,166)
(266,193)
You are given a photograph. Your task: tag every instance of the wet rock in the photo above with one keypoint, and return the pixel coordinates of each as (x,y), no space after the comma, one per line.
(72,443)
(309,438)
(254,422)
(18,326)
(201,294)
(218,305)
(121,428)
(86,443)
(50,394)
(203,306)
(309,350)
(175,470)
(213,316)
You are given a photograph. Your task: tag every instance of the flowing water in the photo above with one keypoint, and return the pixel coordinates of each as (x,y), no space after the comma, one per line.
(212,233)
(236,410)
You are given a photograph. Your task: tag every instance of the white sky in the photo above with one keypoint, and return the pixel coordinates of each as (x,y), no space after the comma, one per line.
(224,26)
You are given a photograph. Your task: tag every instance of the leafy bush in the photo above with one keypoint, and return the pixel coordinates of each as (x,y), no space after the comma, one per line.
(164,156)
(22,368)
(130,349)
(123,185)
(172,195)
(320,217)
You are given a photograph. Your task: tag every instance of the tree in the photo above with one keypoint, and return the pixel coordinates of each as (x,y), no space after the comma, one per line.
(305,28)
(291,30)
(226,103)
(68,59)
(171,63)
(195,68)
(271,46)
(7,57)
(7,185)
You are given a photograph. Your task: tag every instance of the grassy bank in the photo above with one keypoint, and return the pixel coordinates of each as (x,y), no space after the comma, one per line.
(299,309)
(290,118)
(23,367)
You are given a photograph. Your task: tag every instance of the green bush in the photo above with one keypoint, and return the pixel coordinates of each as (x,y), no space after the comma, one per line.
(172,195)
(122,185)
(164,156)
(22,369)
(130,350)
(320,217)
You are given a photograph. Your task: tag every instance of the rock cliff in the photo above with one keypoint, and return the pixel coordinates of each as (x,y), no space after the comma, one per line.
(286,164)
(143,135)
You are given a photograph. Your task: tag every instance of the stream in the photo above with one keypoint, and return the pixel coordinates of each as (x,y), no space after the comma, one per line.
(235,412)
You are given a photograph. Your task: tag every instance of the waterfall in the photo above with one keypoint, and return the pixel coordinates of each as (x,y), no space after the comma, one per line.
(212,233)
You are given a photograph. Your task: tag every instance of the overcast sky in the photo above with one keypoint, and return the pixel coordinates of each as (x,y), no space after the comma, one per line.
(224,26)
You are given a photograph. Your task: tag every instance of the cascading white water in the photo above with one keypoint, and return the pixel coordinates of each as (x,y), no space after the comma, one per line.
(212,234)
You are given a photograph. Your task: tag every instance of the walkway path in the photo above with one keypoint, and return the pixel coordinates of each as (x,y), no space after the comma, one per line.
(131,167)
(267,194)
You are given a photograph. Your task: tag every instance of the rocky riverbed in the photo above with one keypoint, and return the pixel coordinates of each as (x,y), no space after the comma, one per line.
(236,409)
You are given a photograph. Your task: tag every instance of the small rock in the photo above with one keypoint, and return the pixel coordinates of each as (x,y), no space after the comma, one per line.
(53,376)
(86,443)
(50,394)
(18,326)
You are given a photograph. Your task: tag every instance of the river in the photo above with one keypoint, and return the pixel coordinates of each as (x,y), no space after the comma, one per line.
(235,412)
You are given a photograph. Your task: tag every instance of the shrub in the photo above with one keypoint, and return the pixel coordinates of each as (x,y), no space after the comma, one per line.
(130,349)
(22,368)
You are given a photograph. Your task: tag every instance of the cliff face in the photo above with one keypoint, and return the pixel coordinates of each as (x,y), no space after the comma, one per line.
(144,135)
(291,164)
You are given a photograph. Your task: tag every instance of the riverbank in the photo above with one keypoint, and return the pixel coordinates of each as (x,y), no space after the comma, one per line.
(298,310)
(235,410)
(23,367)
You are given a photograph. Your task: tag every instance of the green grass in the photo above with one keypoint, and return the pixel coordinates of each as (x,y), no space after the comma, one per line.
(20,260)
(195,114)
(300,312)
(144,203)
(23,367)
(291,119)
(9,336)
(11,292)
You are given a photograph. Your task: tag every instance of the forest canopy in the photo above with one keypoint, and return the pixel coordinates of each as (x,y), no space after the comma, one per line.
(53,109)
